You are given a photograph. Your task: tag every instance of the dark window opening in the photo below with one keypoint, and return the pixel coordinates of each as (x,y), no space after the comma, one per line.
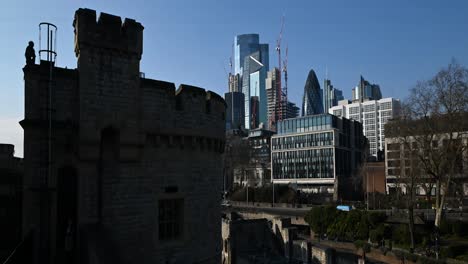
(171,219)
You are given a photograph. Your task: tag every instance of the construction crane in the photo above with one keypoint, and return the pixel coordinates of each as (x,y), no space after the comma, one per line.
(279,92)
(285,70)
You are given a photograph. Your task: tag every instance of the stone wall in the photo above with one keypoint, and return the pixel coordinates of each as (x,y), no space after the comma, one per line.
(128,143)
(11,172)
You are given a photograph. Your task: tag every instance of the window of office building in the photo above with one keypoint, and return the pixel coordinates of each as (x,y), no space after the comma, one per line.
(370,121)
(369,108)
(354,117)
(171,212)
(354,110)
(386,106)
(386,113)
(302,164)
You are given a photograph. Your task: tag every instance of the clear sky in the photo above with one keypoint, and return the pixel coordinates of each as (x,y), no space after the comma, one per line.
(391,43)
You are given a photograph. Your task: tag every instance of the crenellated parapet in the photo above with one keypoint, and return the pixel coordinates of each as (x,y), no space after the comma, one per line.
(107,32)
(189,110)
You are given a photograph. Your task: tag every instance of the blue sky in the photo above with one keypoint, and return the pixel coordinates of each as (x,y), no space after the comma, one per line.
(392,43)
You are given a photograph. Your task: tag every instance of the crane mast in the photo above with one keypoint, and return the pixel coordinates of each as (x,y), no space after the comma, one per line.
(285,70)
(279,92)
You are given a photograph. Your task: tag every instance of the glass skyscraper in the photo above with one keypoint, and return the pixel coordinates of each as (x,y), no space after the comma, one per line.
(312,99)
(251,61)
(244,45)
(366,91)
(235,110)
(331,95)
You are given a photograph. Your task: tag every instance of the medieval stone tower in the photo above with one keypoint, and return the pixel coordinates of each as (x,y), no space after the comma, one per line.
(135,168)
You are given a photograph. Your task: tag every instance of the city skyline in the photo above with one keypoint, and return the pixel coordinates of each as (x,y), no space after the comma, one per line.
(411,41)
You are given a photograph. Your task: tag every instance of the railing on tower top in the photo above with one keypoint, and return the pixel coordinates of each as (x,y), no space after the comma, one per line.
(47,46)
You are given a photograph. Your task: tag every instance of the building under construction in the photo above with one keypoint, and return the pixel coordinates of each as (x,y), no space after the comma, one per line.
(277,108)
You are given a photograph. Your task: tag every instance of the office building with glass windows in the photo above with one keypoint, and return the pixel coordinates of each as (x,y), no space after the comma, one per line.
(365,91)
(234,110)
(373,114)
(312,98)
(319,154)
(251,63)
(331,95)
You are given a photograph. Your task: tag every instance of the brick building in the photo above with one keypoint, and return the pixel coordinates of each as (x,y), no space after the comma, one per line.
(135,168)
(373,178)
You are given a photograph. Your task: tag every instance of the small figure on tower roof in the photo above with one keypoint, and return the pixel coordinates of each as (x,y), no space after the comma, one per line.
(30,54)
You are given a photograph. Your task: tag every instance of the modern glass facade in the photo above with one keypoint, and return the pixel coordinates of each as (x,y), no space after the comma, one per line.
(235,110)
(306,124)
(312,99)
(366,91)
(321,150)
(253,85)
(244,45)
(331,95)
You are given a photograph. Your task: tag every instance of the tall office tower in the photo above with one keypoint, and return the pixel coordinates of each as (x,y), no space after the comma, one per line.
(235,103)
(251,62)
(244,45)
(338,96)
(331,95)
(234,110)
(373,114)
(312,99)
(366,91)
(253,85)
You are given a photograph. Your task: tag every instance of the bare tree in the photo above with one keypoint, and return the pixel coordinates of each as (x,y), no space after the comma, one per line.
(410,175)
(442,105)
(237,156)
(435,124)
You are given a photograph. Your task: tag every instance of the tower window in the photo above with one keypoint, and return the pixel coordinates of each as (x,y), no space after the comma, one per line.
(171,212)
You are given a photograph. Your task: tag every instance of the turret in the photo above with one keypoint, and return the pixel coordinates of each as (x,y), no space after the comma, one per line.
(108,33)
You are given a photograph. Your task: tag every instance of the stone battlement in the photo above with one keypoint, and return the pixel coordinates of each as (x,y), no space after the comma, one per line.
(185,96)
(187,110)
(7,150)
(107,32)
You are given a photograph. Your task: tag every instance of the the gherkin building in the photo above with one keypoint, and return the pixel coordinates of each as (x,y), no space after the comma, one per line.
(312,99)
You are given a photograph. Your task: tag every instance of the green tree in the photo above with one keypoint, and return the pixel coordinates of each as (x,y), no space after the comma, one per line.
(320,218)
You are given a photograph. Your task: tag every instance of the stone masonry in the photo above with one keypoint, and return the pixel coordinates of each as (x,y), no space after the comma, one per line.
(121,145)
